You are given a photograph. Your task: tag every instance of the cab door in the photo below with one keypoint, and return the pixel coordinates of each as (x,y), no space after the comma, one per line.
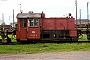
(23,29)
(33,29)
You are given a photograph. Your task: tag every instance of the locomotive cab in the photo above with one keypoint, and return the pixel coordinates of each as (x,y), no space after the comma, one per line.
(28,26)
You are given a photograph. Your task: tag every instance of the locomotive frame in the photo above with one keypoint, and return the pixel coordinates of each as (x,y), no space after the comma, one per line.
(36,27)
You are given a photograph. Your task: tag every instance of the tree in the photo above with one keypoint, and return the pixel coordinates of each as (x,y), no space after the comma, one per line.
(12,23)
(3,23)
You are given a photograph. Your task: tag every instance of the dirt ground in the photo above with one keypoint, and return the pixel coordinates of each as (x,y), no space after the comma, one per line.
(80,55)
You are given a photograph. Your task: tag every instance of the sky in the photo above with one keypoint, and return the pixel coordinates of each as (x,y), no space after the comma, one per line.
(51,8)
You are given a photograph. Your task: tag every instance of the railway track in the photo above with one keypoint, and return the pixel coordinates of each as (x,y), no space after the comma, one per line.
(82,42)
(17,43)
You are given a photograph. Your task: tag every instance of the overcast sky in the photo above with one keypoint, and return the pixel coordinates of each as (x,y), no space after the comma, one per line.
(51,8)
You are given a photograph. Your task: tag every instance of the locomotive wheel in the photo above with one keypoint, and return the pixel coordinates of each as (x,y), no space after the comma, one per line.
(88,37)
(18,40)
(9,40)
(74,39)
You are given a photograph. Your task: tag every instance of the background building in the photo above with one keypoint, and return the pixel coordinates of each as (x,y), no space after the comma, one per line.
(83,21)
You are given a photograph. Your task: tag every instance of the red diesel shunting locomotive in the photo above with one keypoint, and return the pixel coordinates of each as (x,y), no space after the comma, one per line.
(36,27)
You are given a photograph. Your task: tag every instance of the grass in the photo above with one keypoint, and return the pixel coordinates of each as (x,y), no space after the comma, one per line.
(43,47)
(13,39)
(83,38)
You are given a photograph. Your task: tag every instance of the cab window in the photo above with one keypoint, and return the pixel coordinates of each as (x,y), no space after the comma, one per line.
(23,22)
(33,22)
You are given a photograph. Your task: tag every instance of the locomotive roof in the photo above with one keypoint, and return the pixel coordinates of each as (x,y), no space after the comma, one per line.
(29,15)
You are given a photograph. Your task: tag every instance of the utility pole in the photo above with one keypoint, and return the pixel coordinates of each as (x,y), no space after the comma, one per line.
(3,20)
(20,8)
(88,14)
(9,17)
(13,17)
(76,11)
(2,17)
(80,18)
